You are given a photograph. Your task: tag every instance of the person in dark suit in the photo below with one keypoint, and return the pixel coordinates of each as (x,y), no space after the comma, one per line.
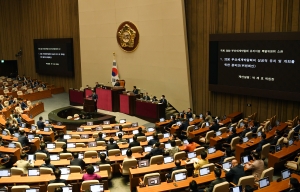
(112,145)
(77,161)
(154,99)
(48,164)
(235,173)
(276,138)
(134,143)
(97,85)
(169,125)
(57,179)
(43,85)
(117,83)
(218,180)
(189,113)
(94,96)
(135,91)
(140,133)
(184,125)
(11,100)
(103,160)
(194,187)
(154,140)
(43,149)
(163,100)
(178,166)
(246,130)
(40,123)
(297,128)
(121,140)
(215,127)
(23,139)
(255,127)
(233,135)
(227,154)
(61,138)
(23,105)
(261,143)
(146,97)
(19,78)
(294,185)
(156,150)
(99,138)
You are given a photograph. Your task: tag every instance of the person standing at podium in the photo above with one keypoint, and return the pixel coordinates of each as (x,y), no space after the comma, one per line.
(94,96)
(135,91)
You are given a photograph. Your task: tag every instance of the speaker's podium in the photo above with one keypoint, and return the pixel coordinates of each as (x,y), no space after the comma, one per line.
(89,105)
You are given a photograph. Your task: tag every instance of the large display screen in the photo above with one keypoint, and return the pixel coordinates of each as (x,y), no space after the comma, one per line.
(54,57)
(263,65)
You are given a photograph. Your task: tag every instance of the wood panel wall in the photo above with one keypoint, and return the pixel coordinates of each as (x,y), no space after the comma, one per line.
(23,21)
(204,17)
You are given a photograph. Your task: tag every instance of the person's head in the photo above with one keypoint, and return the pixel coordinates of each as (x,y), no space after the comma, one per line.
(129,153)
(58,189)
(97,83)
(75,155)
(111,140)
(140,130)
(173,143)
(190,140)
(134,87)
(217,172)
(157,144)
(189,110)
(163,96)
(248,188)
(208,113)
(215,121)
(193,186)
(203,155)
(40,118)
(120,135)
(90,169)
(177,163)
(146,93)
(100,134)
(47,160)
(173,117)
(64,147)
(294,183)
(255,156)
(246,126)
(22,132)
(42,146)
(61,135)
(263,135)
(233,130)
(23,156)
(102,156)
(57,173)
(174,136)
(234,163)
(134,138)
(155,136)
(120,127)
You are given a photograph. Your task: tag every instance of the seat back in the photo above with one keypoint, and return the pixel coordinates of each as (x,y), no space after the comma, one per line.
(101,143)
(239,123)
(59,144)
(178,142)
(290,135)
(260,129)
(75,136)
(221,187)
(208,135)
(199,150)
(178,171)
(51,187)
(280,141)
(65,155)
(108,168)
(147,176)
(85,185)
(80,145)
(246,180)
(40,156)
(268,173)
(113,152)
(189,129)
(69,117)
(160,136)
(137,149)
(156,159)
(46,170)
(249,135)
(265,151)
(90,154)
(128,164)
(179,155)
(223,129)
(141,138)
(234,142)
(75,169)
(18,144)
(6,103)
(19,188)
(229,159)
(211,166)
(17,171)
(203,125)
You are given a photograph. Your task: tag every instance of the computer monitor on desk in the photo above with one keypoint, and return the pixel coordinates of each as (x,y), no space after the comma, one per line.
(285,174)
(5,173)
(180,176)
(154,180)
(236,189)
(264,182)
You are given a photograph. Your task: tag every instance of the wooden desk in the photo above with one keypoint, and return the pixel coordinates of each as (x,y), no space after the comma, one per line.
(26,118)
(37,95)
(15,151)
(199,132)
(127,104)
(279,186)
(164,123)
(48,134)
(217,140)
(149,111)
(252,143)
(76,97)
(60,128)
(56,90)
(194,122)
(108,98)
(279,158)
(8,110)
(35,142)
(35,110)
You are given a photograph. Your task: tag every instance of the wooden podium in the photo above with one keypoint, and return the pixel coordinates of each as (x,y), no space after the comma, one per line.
(89,105)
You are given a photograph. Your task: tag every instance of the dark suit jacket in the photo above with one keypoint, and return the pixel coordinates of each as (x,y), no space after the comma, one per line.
(235,173)
(244,132)
(153,141)
(140,134)
(23,106)
(23,140)
(100,139)
(134,144)
(189,115)
(112,146)
(78,162)
(40,124)
(117,84)
(146,98)
(297,128)
(94,96)
(260,144)
(275,139)
(58,181)
(171,123)
(213,183)
(230,137)
(184,126)
(103,162)
(254,129)
(156,151)
(49,166)
(175,169)
(215,127)
(135,91)
(61,140)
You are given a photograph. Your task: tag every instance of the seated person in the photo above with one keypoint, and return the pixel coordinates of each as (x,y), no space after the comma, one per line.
(135,91)
(61,137)
(191,146)
(65,149)
(99,138)
(57,174)
(23,105)
(40,123)
(201,162)
(235,173)
(177,167)
(1,141)
(294,185)
(121,140)
(194,186)
(23,139)
(248,188)
(227,153)
(174,149)
(120,128)
(77,161)
(257,166)
(37,135)
(90,175)
(233,135)
(172,122)
(112,145)
(134,143)
(297,128)
(246,130)
(103,159)
(154,99)
(276,138)
(218,180)
(48,164)
(154,140)
(140,133)
(23,163)
(128,155)
(255,127)
(146,97)
(117,83)
(261,143)
(155,151)
(208,117)
(43,149)
(215,127)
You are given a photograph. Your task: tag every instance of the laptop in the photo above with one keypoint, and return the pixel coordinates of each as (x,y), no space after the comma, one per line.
(99,128)
(196,128)
(211,150)
(259,134)
(67,136)
(54,157)
(84,136)
(30,136)
(245,139)
(12,145)
(201,116)
(51,146)
(92,144)
(4,132)
(96,168)
(5,173)
(58,123)
(149,138)
(207,124)
(16,134)
(80,129)
(168,159)
(180,176)
(32,190)
(116,127)
(147,148)
(277,148)
(191,119)
(244,160)
(97,187)
(218,133)
(80,155)
(106,122)
(150,129)
(143,163)
(153,181)
(71,145)
(46,129)
(161,119)
(117,133)
(285,174)
(122,121)
(33,127)
(291,141)
(178,123)
(23,125)
(185,141)
(89,123)
(191,155)
(66,189)
(31,157)
(264,182)
(236,189)
(65,170)
(33,172)
(134,124)
(226,166)
(168,145)
(204,171)
(166,135)
(47,122)
(123,151)
(242,124)
(135,132)
(130,140)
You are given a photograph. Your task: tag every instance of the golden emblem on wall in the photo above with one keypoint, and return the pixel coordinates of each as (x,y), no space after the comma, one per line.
(128,36)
